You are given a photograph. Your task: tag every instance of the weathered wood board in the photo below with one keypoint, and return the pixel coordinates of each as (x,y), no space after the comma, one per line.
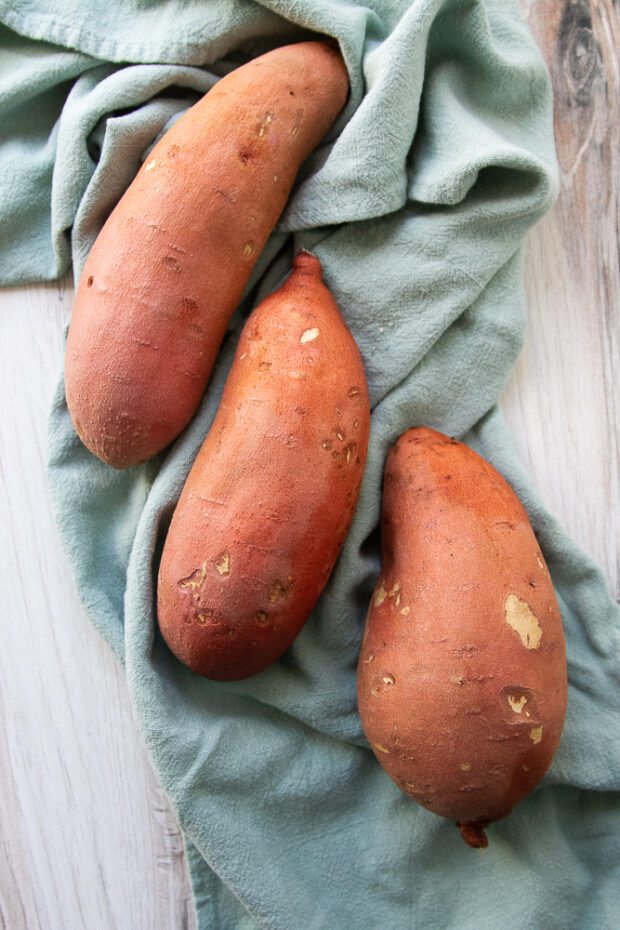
(563,401)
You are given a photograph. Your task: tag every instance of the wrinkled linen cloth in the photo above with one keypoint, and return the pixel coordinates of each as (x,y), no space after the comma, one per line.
(417,204)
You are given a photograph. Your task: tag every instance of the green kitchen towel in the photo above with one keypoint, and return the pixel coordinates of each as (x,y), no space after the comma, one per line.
(417,204)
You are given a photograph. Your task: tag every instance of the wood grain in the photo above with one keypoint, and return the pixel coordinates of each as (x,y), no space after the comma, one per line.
(87,839)
(562,402)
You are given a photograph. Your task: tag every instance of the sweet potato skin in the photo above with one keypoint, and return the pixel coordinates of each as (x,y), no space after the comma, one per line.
(171,263)
(462,671)
(268,502)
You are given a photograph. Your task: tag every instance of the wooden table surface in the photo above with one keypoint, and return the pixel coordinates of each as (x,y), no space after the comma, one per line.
(87,839)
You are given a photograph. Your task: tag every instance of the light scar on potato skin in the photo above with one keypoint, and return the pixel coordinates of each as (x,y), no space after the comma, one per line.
(523,621)
(517,704)
(195,580)
(536,734)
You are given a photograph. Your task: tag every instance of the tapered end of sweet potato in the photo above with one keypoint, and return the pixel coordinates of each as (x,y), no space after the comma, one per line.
(473,833)
(306,262)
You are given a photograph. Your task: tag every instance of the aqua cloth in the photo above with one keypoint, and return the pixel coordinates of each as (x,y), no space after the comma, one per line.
(417,205)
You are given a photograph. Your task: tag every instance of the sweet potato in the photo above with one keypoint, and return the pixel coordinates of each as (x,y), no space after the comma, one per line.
(462,671)
(268,502)
(171,263)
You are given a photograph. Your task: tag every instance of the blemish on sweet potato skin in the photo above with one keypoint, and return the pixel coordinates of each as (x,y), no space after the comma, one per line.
(521,618)
(480,660)
(187,233)
(260,559)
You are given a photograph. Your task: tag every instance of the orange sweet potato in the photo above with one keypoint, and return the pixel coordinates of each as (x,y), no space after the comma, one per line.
(269,500)
(462,671)
(171,263)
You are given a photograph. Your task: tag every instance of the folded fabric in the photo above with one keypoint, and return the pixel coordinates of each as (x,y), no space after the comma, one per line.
(417,205)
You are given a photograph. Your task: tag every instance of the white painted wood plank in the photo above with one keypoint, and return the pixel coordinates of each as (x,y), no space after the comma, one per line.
(86,836)
(562,402)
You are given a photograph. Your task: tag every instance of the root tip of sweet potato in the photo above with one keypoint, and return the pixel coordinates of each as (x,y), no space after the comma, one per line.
(306,262)
(473,833)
